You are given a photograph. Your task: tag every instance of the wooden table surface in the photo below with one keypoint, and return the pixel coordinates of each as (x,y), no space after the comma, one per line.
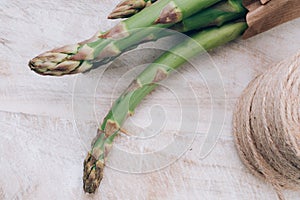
(47,123)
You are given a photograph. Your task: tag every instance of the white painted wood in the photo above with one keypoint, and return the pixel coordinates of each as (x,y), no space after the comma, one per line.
(44,138)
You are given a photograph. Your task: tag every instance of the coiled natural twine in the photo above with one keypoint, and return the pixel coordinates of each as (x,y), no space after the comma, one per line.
(267,125)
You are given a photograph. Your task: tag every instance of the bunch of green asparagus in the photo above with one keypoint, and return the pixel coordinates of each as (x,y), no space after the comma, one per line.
(208,23)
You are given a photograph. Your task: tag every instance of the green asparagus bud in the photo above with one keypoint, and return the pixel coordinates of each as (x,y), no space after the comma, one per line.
(128,8)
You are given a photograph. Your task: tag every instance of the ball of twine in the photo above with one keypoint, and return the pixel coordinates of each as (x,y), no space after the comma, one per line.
(266,125)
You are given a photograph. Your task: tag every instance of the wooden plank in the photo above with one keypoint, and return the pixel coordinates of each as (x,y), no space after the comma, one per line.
(46,127)
(45,160)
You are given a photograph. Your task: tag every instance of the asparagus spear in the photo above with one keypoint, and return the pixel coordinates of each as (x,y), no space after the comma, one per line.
(146,82)
(102,47)
(127,8)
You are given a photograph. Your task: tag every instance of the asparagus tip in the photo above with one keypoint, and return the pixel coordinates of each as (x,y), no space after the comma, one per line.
(123,12)
(63,60)
(92,173)
(127,8)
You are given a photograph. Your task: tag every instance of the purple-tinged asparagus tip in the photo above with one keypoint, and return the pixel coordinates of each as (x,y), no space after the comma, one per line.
(92,173)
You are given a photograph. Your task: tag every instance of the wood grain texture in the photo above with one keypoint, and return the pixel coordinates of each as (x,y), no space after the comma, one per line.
(46,127)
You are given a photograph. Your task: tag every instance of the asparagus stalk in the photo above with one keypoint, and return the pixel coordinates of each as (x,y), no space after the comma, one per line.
(127,8)
(103,47)
(146,82)
(216,15)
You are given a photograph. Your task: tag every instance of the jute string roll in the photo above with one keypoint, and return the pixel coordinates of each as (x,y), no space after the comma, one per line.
(266,125)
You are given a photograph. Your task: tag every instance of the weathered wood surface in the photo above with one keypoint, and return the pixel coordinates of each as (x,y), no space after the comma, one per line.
(44,136)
